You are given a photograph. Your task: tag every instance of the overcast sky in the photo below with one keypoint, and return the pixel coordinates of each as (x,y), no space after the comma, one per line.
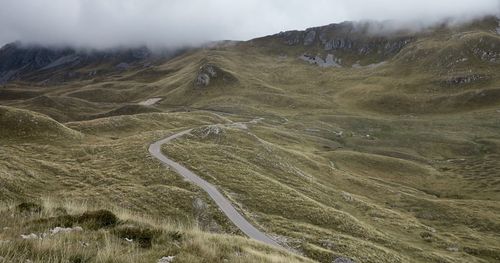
(105,23)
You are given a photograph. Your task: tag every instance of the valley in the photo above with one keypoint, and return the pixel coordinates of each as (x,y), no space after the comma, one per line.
(374,149)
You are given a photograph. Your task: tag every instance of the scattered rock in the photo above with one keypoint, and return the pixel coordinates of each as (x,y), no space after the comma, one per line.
(430,229)
(30,236)
(329,61)
(347,196)
(143,236)
(58,230)
(452,249)
(486,55)
(150,102)
(84,244)
(167,259)
(426,236)
(327,244)
(461,80)
(211,130)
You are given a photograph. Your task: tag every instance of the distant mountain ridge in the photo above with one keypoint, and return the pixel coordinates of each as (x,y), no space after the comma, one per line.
(343,44)
(363,42)
(18,61)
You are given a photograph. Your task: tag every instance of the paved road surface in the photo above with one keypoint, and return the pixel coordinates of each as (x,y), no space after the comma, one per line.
(221,201)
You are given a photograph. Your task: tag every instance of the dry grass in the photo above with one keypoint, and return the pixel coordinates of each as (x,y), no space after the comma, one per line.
(394,163)
(185,243)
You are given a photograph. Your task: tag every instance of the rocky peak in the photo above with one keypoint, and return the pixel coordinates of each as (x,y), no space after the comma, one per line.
(345,37)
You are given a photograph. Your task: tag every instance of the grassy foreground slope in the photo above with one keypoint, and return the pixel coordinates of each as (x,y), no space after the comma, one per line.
(388,158)
(74,177)
(72,232)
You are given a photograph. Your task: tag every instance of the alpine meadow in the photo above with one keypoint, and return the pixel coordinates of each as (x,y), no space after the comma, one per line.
(349,142)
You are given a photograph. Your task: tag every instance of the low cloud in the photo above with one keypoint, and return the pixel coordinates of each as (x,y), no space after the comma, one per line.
(171,23)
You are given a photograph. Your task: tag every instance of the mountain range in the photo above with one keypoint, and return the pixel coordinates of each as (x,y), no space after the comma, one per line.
(350,142)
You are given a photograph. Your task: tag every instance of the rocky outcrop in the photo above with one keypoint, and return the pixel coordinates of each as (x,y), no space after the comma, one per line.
(329,61)
(462,80)
(291,38)
(205,75)
(310,37)
(210,73)
(345,37)
(486,55)
(340,43)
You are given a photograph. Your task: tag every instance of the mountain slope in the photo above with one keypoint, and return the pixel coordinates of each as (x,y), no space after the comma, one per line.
(367,148)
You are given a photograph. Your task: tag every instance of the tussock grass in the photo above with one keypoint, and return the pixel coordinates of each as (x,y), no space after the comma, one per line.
(129,239)
(338,203)
(394,163)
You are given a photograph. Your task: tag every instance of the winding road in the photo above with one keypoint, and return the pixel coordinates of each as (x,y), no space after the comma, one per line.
(222,202)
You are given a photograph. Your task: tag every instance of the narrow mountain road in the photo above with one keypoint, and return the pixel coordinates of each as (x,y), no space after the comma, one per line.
(221,201)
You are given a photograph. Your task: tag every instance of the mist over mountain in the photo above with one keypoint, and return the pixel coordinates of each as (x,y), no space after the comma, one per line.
(104,24)
(321,131)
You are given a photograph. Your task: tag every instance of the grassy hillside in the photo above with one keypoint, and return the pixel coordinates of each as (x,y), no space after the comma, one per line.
(346,201)
(391,157)
(23,125)
(72,232)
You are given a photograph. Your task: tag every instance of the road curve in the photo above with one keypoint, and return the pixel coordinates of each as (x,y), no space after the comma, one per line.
(221,201)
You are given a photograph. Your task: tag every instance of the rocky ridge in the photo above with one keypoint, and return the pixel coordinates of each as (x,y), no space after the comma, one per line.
(19,61)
